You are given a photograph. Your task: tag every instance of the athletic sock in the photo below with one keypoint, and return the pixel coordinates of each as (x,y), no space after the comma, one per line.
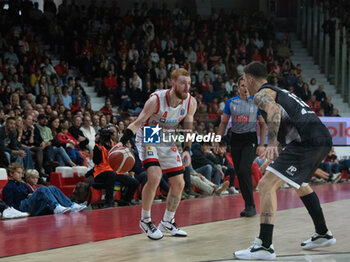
(168,216)
(146,215)
(313,206)
(266,234)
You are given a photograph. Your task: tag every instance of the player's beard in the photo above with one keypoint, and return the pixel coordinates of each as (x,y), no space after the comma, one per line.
(180,95)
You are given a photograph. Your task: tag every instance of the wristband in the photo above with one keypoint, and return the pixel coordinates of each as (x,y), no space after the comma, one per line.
(126,136)
(188,149)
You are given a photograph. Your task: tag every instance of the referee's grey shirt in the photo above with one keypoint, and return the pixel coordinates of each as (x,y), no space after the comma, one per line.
(244,114)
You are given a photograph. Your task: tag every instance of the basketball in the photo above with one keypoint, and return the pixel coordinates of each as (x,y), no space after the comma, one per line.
(121,159)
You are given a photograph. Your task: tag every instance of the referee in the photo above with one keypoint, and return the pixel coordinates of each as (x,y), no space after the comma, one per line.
(244,115)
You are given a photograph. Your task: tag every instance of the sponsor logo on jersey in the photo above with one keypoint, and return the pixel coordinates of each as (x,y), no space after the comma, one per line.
(162,120)
(171,121)
(165,114)
(174,149)
(291,170)
(149,153)
(182,112)
(148,148)
(151,134)
(242,119)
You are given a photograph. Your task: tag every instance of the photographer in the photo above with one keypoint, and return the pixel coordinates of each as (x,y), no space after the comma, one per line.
(103,173)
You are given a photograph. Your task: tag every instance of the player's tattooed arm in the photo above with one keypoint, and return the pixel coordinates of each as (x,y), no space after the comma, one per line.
(172,202)
(266,102)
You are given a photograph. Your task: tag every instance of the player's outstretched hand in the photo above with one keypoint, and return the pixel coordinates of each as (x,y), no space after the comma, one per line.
(186,158)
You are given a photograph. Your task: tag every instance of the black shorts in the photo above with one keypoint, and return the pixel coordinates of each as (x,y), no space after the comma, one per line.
(169,173)
(298,162)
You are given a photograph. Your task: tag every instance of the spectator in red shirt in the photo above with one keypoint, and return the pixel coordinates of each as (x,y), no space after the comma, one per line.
(268,56)
(87,48)
(213,113)
(107,108)
(77,105)
(62,71)
(314,105)
(256,56)
(202,56)
(205,83)
(110,82)
(242,49)
(275,68)
(71,144)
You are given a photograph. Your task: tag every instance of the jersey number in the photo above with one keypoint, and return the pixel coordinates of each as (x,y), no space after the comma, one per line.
(296,99)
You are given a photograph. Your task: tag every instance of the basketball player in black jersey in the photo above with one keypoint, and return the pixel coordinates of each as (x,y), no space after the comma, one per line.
(305,142)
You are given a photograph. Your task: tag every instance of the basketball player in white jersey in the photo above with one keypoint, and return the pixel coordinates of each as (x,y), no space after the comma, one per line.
(163,110)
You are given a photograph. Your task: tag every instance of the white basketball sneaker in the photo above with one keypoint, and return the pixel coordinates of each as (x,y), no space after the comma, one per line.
(10,212)
(171,227)
(61,209)
(77,207)
(319,241)
(151,230)
(256,251)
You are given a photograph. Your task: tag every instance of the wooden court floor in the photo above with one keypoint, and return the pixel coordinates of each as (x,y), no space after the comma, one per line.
(216,241)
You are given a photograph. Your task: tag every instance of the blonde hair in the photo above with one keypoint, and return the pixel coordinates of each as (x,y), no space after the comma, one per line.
(14,99)
(14,166)
(179,72)
(31,173)
(64,126)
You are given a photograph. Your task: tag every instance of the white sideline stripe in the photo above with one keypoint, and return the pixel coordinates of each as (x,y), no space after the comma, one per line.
(284,178)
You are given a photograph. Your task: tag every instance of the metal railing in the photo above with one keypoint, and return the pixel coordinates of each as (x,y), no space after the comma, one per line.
(329,48)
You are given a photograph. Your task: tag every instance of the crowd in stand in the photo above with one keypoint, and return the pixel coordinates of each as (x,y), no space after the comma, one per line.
(46,116)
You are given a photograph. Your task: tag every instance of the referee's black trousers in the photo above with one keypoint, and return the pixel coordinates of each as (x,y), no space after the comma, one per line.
(243,152)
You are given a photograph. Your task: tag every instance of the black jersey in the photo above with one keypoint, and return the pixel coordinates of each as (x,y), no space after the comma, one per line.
(298,122)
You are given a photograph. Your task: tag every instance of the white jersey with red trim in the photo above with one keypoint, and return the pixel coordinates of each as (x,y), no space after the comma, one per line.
(166,116)
(164,154)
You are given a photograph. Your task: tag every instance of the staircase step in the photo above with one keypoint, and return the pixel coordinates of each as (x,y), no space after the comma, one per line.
(301,54)
(91,94)
(98,100)
(310,70)
(97,106)
(301,57)
(307,74)
(90,89)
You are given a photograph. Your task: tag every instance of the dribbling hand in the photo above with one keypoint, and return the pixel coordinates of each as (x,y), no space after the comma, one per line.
(186,159)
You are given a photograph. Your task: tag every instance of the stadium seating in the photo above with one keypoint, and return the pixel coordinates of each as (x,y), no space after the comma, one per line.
(66,178)
(3,180)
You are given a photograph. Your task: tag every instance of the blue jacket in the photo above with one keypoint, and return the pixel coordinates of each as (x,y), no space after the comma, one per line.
(14,192)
